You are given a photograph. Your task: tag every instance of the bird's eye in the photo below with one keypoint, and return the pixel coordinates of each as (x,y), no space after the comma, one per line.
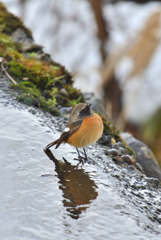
(81,112)
(85,111)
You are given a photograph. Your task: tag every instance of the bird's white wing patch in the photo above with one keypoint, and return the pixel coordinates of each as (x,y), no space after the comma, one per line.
(66,129)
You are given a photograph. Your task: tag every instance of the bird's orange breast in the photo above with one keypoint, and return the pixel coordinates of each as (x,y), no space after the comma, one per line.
(89,132)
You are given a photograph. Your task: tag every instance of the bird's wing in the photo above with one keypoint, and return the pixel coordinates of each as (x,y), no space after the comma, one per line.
(68,131)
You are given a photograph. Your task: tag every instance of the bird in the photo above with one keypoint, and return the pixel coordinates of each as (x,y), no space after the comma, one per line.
(84,128)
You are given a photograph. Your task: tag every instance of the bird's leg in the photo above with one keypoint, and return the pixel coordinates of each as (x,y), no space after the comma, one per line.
(85,154)
(80,158)
(82,152)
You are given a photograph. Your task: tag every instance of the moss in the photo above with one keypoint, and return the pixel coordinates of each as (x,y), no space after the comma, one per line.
(44,79)
(31,96)
(6,44)
(49,79)
(150,133)
(75,101)
(9,23)
(111,130)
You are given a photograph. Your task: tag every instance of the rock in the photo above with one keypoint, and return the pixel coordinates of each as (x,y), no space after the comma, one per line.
(144,155)
(105,139)
(126,183)
(28,45)
(64,91)
(128,159)
(118,160)
(139,167)
(117,145)
(122,151)
(65,111)
(120,148)
(112,151)
(131,168)
(153,181)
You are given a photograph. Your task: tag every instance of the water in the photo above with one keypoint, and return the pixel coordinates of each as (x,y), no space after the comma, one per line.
(45,197)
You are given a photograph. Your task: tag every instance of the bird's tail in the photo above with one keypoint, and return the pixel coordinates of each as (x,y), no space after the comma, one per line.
(51,144)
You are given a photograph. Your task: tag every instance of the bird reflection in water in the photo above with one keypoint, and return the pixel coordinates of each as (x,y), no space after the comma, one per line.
(77,187)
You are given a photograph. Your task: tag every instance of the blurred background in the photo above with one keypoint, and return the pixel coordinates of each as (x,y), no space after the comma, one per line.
(112,48)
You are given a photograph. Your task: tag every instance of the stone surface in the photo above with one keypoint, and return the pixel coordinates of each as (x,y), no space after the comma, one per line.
(145,157)
(50,197)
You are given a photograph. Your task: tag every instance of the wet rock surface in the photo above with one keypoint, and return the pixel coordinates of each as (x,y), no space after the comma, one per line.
(47,196)
(145,156)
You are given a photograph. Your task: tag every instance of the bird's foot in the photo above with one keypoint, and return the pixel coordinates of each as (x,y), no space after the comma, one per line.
(81,159)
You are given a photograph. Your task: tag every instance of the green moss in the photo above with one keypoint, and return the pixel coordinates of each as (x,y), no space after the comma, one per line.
(55,80)
(48,80)
(31,96)
(32,54)
(27,84)
(6,45)
(111,130)
(75,101)
(45,80)
(9,23)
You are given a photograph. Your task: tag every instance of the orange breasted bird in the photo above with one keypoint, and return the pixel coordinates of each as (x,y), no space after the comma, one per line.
(83,128)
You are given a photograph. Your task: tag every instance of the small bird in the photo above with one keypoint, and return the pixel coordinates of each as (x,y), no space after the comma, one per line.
(83,128)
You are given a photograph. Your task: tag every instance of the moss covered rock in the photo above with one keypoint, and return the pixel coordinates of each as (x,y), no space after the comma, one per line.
(40,80)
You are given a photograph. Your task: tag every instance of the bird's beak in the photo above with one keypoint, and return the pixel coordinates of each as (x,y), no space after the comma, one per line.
(89,105)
